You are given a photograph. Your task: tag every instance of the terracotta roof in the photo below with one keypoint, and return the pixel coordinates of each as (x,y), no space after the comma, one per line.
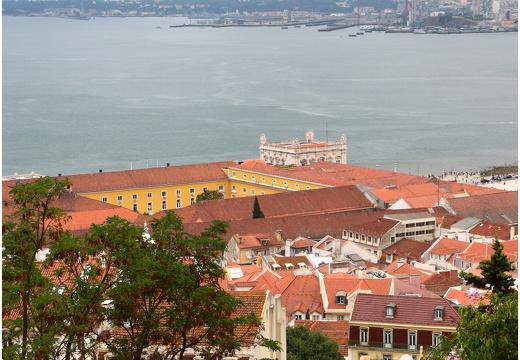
(399,269)
(335,330)
(350,286)
(394,193)
(333,174)
(456,187)
(468,295)
(151,177)
(82,220)
(303,244)
(492,229)
(500,207)
(409,310)
(439,284)
(375,228)
(477,251)
(308,202)
(445,246)
(408,248)
(301,294)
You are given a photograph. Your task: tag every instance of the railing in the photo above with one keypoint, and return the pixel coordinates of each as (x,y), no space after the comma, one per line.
(373,345)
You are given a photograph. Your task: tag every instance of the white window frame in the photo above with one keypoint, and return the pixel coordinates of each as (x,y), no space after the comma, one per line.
(436,339)
(363,336)
(120,198)
(178,204)
(387,338)
(134,208)
(104,199)
(163,194)
(412,340)
(149,195)
(178,192)
(149,206)
(134,197)
(164,205)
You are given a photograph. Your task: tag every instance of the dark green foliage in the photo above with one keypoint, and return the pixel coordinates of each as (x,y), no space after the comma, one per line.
(257,212)
(30,308)
(485,332)
(495,273)
(167,292)
(303,344)
(210,195)
(162,289)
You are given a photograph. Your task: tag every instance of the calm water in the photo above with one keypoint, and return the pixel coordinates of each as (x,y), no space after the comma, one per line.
(79,96)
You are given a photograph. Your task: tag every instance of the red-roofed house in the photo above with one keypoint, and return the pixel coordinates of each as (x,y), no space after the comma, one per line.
(247,248)
(388,327)
(443,252)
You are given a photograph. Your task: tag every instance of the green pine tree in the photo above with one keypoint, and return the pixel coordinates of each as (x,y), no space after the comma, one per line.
(495,273)
(257,212)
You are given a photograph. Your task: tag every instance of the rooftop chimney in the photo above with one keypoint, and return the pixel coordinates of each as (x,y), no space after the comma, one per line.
(100,170)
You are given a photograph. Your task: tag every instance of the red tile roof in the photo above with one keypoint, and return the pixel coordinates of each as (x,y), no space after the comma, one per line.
(467,295)
(500,207)
(151,177)
(319,201)
(408,248)
(333,174)
(446,246)
(303,293)
(409,310)
(350,286)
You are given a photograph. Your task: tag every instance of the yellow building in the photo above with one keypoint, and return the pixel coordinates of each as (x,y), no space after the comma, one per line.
(173,187)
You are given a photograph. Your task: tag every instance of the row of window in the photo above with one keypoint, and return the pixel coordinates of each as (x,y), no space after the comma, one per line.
(164,205)
(273,182)
(317,317)
(163,194)
(388,335)
(412,233)
(423,223)
(356,236)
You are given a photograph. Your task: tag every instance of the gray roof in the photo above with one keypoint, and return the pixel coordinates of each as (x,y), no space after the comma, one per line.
(409,216)
(466,223)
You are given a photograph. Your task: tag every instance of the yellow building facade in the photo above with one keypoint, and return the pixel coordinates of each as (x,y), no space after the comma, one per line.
(153,190)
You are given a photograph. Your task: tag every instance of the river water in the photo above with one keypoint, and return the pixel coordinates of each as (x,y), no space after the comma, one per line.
(113,94)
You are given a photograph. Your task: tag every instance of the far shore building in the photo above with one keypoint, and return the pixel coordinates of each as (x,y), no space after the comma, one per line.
(303,152)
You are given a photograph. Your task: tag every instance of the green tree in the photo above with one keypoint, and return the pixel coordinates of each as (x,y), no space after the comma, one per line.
(32,321)
(485,332)
(495,273)
(210,195)
(167,293)
(303,344)
(257,212)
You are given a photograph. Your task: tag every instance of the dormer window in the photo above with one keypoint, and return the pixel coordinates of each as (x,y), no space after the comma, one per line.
(390,310)
(438,313)
(341,297)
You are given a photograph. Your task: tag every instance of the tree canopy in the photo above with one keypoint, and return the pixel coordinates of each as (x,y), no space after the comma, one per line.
(257,212)
(210,195)
(485,332)
(303,344)
(495,273)
(157,293)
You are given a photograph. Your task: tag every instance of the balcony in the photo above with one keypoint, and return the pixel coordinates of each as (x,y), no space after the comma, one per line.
(375,345)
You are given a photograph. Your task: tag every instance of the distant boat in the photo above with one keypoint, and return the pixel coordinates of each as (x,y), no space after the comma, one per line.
(352,35)
(285,27)
(157,27)
(297,26)
(360,33)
